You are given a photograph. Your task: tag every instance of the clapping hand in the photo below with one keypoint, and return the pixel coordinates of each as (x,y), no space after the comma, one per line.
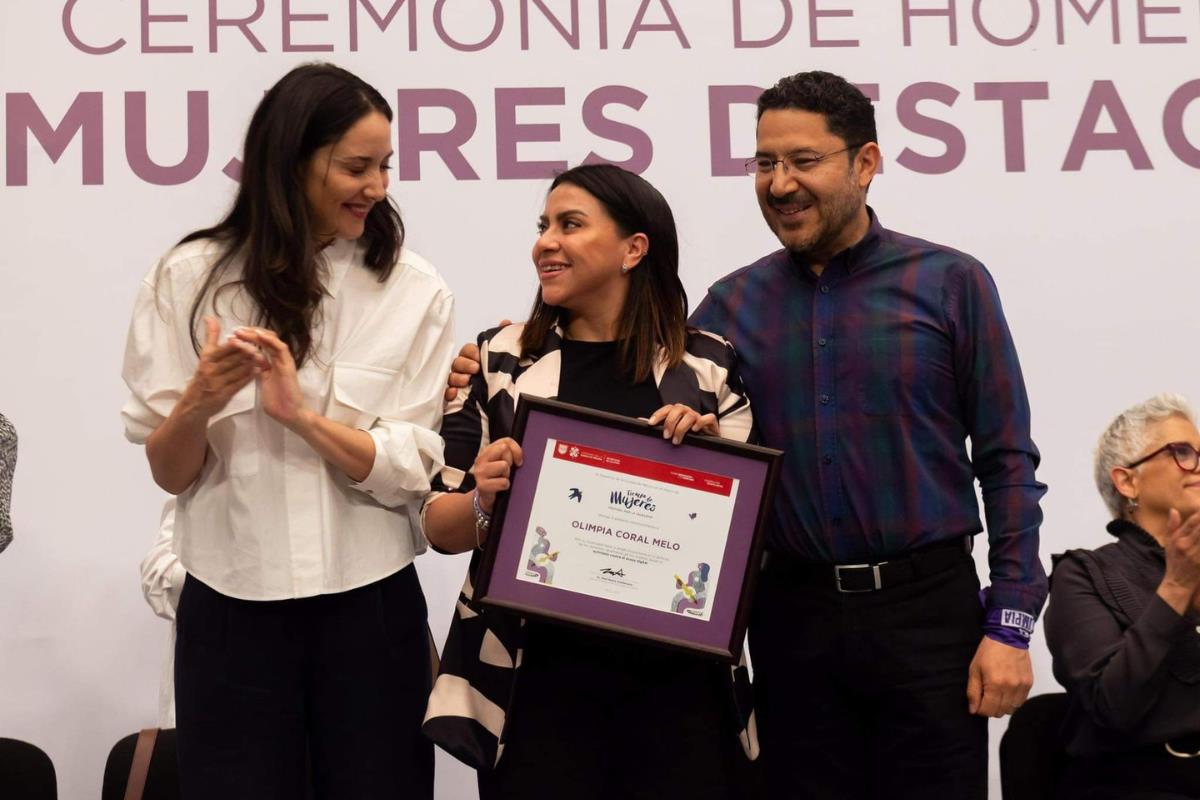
(1180,586)
(279,389)
(222,372)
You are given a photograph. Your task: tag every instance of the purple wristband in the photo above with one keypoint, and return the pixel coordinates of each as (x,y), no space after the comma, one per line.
(1007,625)
(1013,637)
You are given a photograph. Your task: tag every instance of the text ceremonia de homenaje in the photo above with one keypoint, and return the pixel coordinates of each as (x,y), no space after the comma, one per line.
(933,116)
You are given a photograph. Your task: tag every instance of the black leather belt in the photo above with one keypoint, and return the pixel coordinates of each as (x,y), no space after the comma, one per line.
(877,575)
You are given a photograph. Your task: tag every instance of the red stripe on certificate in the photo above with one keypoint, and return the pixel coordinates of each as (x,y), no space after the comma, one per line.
(642,468)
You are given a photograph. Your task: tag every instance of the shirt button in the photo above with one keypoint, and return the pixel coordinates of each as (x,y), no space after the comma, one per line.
(822,342)
(825,399)
(824,290)
(826,459)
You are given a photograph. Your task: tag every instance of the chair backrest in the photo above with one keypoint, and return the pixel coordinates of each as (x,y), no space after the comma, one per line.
(162,779)
(26,773)
(1031,750)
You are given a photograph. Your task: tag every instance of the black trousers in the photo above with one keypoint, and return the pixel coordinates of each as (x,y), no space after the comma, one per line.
(595,718)
(865,695)
(342,678)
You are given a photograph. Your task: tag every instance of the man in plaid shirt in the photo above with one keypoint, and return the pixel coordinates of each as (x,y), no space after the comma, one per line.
(871,357)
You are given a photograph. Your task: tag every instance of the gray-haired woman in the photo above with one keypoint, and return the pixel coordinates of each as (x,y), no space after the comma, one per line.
(1122,620)
(8,463)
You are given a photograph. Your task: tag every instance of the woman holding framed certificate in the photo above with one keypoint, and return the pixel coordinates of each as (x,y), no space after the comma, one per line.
(588,715)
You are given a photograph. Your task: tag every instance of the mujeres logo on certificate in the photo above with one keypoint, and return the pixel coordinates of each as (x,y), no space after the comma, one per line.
(635,531)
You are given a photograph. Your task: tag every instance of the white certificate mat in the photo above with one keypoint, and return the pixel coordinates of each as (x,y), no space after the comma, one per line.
(639,532)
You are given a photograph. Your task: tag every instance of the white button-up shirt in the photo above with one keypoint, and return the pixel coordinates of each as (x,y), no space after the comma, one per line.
(268,518)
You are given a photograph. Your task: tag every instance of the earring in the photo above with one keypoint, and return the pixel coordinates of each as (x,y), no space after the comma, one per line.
(1132,503)
(625,269)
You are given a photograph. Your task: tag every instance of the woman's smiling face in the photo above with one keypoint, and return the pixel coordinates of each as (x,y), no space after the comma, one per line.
(345,179)
(579,253)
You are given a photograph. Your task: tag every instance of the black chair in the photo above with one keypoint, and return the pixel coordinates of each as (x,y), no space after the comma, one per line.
(162,776)
(26,773)
(1031,751)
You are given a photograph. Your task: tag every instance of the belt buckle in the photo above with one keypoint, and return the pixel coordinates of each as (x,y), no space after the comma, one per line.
(837,576)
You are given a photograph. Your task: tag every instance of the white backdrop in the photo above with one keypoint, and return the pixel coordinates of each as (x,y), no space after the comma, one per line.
(1081,200)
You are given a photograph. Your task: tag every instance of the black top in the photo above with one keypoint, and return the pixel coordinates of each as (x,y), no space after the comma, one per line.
(592,376)
(1129,662)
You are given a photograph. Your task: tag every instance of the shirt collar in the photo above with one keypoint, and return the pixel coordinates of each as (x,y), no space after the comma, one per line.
(338,257)
(854,256)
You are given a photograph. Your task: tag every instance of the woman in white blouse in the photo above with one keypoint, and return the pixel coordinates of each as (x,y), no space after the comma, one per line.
(285,369)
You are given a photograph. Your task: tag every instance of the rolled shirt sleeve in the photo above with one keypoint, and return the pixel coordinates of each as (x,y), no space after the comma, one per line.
(408,451)
(162,574)
(157,366)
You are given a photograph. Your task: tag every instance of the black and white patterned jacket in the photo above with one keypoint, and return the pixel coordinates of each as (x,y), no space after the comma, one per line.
(474,689)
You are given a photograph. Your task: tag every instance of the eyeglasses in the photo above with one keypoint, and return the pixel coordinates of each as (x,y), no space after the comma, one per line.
(793,163)
(1186,457)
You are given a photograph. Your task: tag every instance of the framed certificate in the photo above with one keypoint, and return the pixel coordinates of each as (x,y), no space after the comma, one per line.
(608,525)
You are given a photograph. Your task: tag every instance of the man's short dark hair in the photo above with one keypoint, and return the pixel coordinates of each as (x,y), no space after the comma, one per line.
(848,113)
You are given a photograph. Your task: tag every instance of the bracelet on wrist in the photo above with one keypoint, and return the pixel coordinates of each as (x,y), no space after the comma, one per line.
(483,519)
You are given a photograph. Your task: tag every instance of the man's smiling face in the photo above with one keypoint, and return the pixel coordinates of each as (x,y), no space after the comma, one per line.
(819,210)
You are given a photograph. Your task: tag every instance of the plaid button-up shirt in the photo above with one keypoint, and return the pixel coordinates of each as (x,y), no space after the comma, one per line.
(872,376)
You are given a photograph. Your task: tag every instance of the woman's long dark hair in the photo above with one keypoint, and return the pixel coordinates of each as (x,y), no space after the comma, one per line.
(269,229)
(654,317)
